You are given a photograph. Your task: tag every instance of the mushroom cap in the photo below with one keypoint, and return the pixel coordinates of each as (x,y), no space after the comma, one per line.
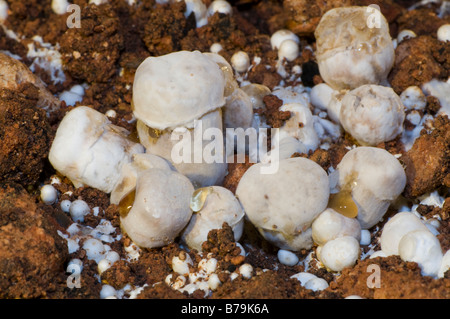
(213,206)
(283,205)
(161,208)
(372,114)
(330,225)
(350,52)
(177,88)
(90,150)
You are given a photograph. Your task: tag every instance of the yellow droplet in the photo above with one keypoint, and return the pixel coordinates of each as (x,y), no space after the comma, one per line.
(198,198)
(343,203)
(126,203)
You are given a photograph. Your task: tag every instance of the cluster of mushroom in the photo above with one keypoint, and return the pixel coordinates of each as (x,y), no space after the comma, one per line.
(161,198)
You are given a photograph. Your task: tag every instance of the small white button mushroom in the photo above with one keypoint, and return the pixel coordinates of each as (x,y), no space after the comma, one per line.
(288,50)
(160,209)
(279,36)
(443,33)
(215,48)
(404,34)
(180,264)
(214,281)
(372,114)
(340,253)
(220,6)
(60,6)
(350,51)
(397,227)
(111,114)
(330,225)
(98,2)
(320,95)
(103,265)
(3,10)
(240,61)
(78,210)
(212,206)
(369,180)
(287,257)
(49,194)
(90,150)
(422,247)
(65,205)
(365,237)
(283,205)
(199,9)
(108,292)
(316,284)
(445,264)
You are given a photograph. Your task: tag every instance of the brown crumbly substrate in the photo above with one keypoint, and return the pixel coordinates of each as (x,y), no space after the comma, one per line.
(103,54)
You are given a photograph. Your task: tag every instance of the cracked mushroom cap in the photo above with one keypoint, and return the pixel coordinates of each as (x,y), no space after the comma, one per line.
(283,205)
(177,88)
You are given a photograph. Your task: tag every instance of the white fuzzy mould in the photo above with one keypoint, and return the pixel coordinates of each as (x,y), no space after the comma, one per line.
(182,86)
(130,171)
(74,95)
(214,281)
(284,204)
(212,206)
(240,61)
(288,50)
(372,114)
(287,257)
(199,9)
(445,264)
(246,271)
(375,177)
(94,249)
(220,6)
(413,98)
(422,247)
(181,265)
(60,6)
(78,209)
(320,95)
(349,52)
(316,284)
(340,253)
(215,48)
(402,35)
(395,228)
(3,10)
(330,225)
(90,150)
(161,208)
(300,125)
(65,205)
(278,37)
(49,194)
(440,90)
(443,33)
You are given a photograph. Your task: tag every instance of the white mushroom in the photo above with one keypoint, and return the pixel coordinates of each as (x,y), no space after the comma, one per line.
(422,247)
(369,179)
(160,208)
(90,150)
(212,206)
(330,225)
(372,114)
(395,228)
(283,205)
(350,51)
(183,91)
(445,264)
(340,253)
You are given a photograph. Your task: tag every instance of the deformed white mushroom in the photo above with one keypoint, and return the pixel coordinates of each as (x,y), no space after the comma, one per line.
(372,114)
(330,225)
(159,208)
(368,180)
(90,150)
(283,205)
(351,51)
(212,206)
